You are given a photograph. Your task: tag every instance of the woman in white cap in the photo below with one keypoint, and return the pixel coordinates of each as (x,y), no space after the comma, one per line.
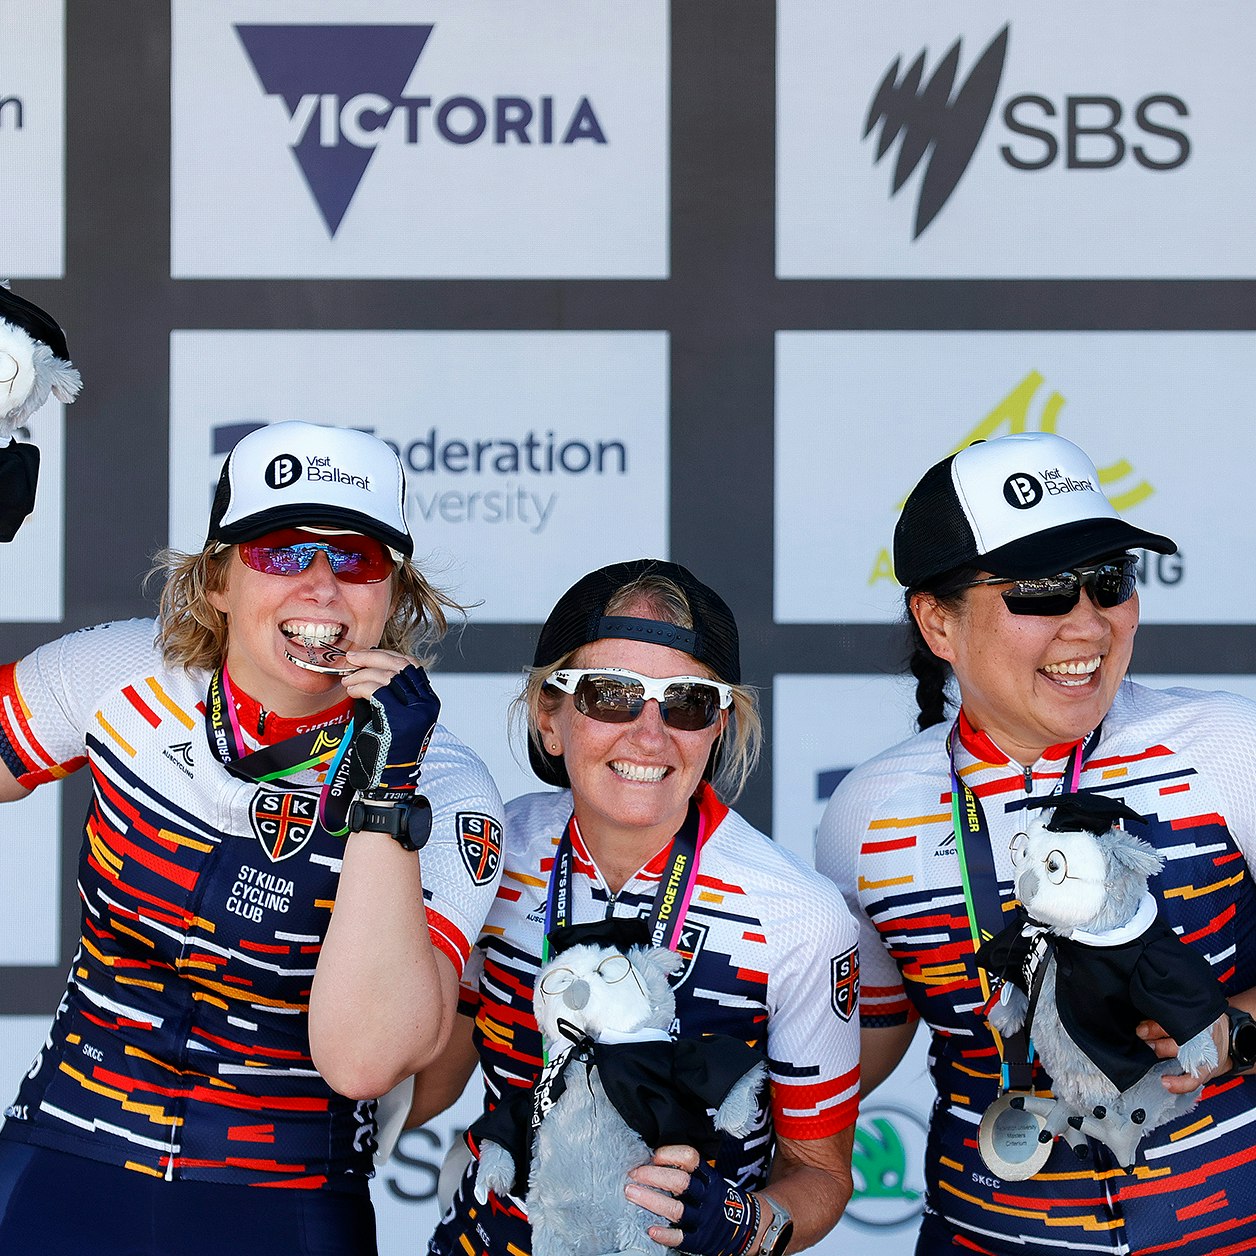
(266,732)
(637,715)
(1022,595)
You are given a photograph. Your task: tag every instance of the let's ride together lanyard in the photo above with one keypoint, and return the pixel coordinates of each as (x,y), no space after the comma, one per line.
(671,900)
(1010,1135)
(312,748)
(981,889)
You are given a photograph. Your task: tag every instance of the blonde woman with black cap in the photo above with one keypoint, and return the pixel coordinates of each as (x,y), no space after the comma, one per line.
(260,743)
(636,714)
(1022,602)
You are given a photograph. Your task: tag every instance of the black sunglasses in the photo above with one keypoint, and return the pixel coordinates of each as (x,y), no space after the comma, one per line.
(1110,583)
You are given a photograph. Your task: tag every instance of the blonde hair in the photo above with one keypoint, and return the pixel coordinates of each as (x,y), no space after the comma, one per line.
(193,633)
(738,745)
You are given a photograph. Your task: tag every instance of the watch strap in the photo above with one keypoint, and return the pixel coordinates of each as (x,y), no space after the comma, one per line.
(405,816)
(780,1229)
(1242,1039)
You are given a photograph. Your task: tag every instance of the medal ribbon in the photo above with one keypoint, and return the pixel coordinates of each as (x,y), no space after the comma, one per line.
(309,749)
(671,900)
(981,885)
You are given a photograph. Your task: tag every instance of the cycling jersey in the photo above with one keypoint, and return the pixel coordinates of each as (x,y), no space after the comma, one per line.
(1182,759)
(180,1048)
(770,958)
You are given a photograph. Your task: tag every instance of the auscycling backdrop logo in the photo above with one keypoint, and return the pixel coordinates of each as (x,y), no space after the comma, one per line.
(343,86)
(1120,483)
(511,478)
(940,125)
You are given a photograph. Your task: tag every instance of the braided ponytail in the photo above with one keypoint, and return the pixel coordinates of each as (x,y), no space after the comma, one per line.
(932,673)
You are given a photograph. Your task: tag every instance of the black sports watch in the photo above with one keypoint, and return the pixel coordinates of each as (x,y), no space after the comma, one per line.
(1242,1039)
(780,1229)
(406,818)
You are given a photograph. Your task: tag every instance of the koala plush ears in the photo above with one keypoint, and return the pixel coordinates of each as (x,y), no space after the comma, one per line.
(34,364)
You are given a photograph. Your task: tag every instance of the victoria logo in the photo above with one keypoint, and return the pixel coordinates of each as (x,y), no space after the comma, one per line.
(343,88)
(941,131)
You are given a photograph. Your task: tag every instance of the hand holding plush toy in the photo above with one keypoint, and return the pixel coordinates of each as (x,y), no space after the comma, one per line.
(616,1085)
(34,364)
(1088,958)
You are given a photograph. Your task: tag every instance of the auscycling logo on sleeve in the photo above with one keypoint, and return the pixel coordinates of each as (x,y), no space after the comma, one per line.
(342,87)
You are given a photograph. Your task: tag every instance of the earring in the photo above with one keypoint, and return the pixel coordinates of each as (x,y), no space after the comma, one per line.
(554,747)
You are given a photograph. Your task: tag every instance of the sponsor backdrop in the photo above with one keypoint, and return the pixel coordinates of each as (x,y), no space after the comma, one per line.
(710,281)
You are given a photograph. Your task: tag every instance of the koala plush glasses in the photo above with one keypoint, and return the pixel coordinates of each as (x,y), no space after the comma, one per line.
(614,695)
(1110,583)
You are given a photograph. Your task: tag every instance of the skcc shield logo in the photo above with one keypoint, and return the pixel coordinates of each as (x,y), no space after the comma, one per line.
(845,974)
(479,844)
(688,946)
(283,821)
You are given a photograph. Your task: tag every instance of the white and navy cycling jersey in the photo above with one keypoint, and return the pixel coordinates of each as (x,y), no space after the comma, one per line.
(180,1048)
(1183,760)
(770,958)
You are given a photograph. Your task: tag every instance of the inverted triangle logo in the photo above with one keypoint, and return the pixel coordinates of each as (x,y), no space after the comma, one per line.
(316,70)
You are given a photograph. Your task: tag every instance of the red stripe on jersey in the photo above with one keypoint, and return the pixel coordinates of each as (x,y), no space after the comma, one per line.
(315,1182)
(251,1133)
(128,692)
(753,937)
(877,848)
(750,975)
(449,940)
(1175,789)
(1209,1203)
(1212,926)
(272,1053)
(1225,859)
(1195,822)
(265,947)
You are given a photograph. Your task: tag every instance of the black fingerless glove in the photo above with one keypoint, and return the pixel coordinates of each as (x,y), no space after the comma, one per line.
(718,1219)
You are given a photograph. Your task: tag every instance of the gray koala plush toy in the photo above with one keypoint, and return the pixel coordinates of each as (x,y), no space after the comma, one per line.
(616,1085)
(34,365)
(1089,957)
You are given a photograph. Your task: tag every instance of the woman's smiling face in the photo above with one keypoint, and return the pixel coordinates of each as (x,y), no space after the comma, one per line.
(631,783)
(1031,681)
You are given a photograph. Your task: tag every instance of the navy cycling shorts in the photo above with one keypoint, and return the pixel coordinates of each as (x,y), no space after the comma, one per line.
(55,1204)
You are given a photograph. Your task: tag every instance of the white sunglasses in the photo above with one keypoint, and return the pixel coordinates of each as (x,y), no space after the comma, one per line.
(615,695)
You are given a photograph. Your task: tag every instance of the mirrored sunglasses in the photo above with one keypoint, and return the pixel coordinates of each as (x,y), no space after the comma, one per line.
(1110,583)
(354,559)
(614,695)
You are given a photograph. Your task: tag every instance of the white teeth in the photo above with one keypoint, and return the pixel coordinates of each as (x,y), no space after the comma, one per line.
(1074,669)
(635,772)
(311,634)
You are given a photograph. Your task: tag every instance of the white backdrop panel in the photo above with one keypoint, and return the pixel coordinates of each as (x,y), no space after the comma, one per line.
(462,139)
(1153,410)
(1110,140)
(518,446)
(32,138)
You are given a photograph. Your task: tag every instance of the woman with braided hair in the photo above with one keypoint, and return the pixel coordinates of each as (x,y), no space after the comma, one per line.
(1022,604)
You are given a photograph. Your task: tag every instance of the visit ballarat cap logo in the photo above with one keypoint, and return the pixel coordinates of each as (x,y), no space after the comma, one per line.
(295,474)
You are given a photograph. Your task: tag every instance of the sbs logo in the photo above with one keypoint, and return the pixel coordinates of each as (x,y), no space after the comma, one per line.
(942,126)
